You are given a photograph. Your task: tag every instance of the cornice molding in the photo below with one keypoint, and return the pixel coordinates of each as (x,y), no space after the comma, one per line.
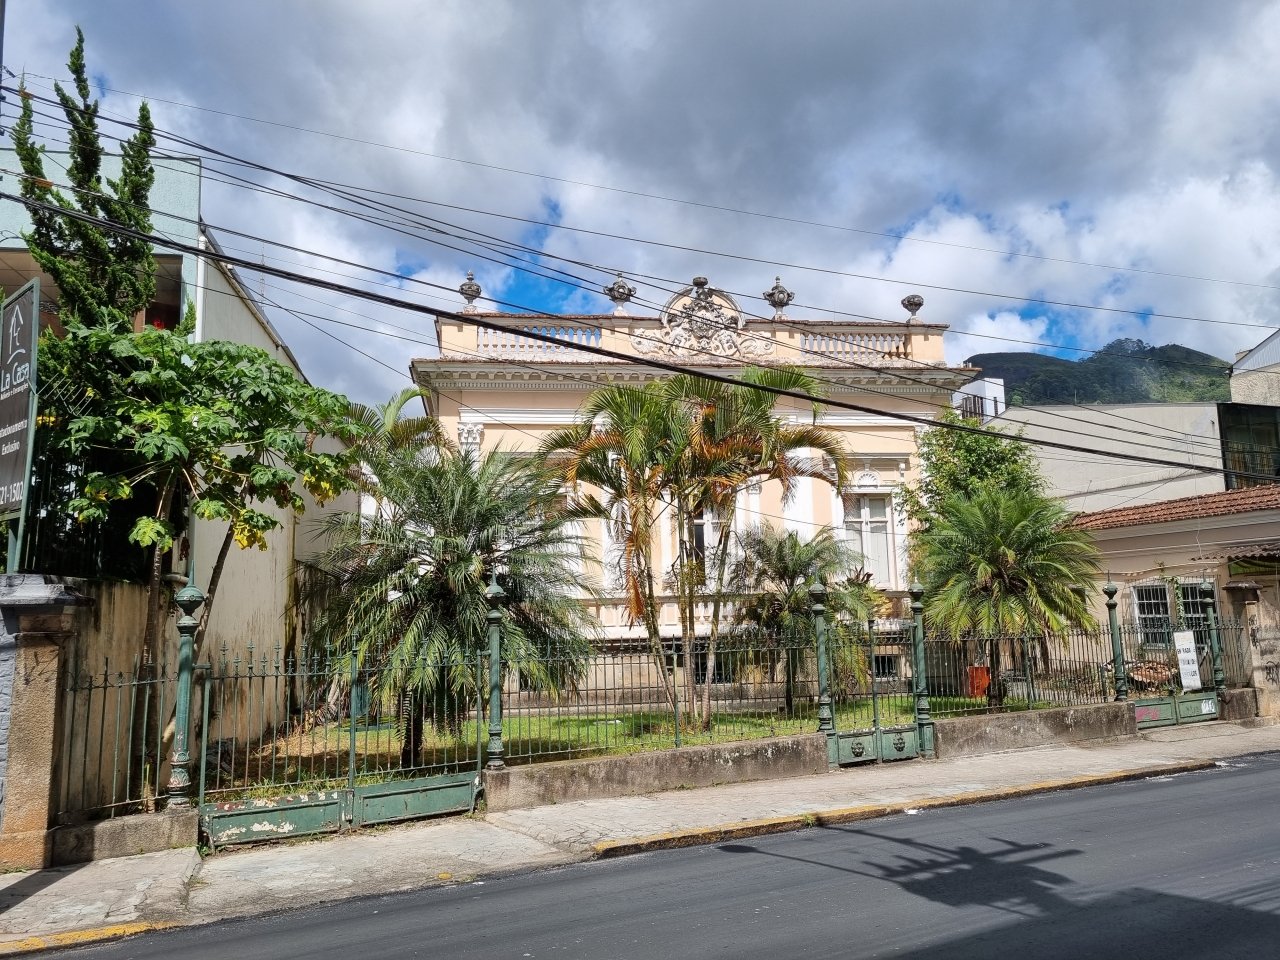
(586,377)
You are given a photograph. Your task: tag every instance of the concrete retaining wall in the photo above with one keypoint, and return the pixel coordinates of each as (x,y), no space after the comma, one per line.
(685,767)
(1239,704)
(973,736)
(125,836)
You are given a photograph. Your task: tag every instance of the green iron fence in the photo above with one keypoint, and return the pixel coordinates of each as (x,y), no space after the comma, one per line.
(629,696)
(113,758)
(273,721)
(1020,672)
(364,736)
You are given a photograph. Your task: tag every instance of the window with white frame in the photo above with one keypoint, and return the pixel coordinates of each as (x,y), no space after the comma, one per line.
(706,538)
(869,528)
(1158,614)
(1154,614)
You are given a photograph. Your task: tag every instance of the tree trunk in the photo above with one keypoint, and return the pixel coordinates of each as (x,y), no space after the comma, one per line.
(717,598)
(685,569)
(411,729)
(644,584)
(155,607)
(995,688)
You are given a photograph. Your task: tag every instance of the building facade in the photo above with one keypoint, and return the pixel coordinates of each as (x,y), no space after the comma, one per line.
(258,588)
(499,389)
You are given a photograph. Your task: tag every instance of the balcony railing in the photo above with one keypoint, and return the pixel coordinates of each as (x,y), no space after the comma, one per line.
(865,347)
(509,344)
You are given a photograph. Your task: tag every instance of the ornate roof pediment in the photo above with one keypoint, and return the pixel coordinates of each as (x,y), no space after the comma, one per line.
(701,320)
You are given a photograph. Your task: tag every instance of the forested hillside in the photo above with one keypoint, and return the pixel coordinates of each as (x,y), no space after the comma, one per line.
(1124,371)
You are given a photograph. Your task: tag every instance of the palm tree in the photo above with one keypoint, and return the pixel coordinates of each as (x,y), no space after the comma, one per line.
(735,438)
(772,579)
(620,459)
(408,599)
(386,434)
(1004,563)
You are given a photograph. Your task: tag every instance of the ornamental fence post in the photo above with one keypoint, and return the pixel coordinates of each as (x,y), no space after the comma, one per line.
(189,599)
(495,595)
(924,721)
(1117,647)
(1215,641)
(818,613)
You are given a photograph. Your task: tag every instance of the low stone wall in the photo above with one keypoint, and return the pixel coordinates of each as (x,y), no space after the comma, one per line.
(125,836)
(639,773)
(991,733)
(1239,704)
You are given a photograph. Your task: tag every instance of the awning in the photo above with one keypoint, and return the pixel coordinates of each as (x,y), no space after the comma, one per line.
(1246,551)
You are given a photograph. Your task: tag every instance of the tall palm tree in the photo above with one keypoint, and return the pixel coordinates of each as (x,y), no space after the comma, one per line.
(620,459)
(736,438)
(772,578)
(409,581)
(1004,563)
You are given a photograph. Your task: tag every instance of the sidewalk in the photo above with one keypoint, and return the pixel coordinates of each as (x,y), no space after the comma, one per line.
(112,898)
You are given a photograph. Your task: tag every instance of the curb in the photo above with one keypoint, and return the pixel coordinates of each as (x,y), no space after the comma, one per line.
(702,836)
(79,938)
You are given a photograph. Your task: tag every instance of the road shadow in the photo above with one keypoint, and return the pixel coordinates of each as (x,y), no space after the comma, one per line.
(1010,876)
(1123,926)
(1045,923)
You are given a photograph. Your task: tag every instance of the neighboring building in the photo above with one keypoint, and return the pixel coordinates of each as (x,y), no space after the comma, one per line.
(498,389)
(1185,433)
(1158,552)
(983,399)
(257,587)
(1255,375)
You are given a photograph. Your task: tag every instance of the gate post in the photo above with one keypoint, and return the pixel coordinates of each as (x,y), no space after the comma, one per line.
(817,610)
(924,722)
(1215,642)
(37,632)
(189,599)
(1117,648)
(495,595)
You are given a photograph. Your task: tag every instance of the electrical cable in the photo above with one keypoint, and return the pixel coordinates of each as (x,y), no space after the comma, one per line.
(483,322)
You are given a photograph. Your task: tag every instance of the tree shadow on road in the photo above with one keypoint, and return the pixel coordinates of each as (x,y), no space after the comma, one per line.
(1012,877)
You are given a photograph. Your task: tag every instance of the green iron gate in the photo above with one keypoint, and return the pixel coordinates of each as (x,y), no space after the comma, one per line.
(292,748)
(873,701)
(1170,675)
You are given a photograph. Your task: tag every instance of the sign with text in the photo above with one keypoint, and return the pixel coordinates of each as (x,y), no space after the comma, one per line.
(1184,641)
(18,332)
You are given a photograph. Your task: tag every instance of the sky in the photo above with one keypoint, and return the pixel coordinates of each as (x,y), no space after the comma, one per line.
(1118,159)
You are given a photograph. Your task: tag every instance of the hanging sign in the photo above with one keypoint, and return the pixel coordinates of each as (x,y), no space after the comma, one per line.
(18,333)
(1184,641)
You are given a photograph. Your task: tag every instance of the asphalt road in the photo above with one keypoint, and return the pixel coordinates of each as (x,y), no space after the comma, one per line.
(1185,866)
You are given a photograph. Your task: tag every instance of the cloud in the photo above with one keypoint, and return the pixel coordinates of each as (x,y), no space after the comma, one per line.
(1133,135)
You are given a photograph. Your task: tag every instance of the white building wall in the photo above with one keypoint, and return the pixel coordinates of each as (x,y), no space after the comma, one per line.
(1184,433)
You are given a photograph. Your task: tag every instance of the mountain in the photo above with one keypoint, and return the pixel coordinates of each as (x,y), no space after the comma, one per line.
(1124,371)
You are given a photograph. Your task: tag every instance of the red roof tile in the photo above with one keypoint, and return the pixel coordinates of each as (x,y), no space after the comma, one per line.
(1266,497)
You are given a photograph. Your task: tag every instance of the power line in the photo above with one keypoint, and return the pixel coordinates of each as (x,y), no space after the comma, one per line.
(520,265)
(902,237)
(483,322)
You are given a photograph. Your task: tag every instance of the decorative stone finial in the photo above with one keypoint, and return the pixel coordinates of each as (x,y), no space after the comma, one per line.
(470,290)
(778,297)
(620,292)
(912,304)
